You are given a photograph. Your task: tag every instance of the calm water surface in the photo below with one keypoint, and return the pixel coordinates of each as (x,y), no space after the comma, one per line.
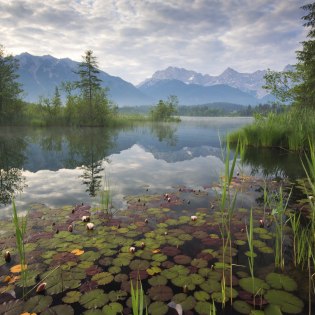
(60,166)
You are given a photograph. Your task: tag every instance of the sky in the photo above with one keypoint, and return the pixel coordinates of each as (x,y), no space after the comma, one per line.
(134,38)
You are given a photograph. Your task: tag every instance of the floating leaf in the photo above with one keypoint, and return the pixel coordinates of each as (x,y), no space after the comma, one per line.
(154,270)
(77,252)
(12,307)
(242,307)
(280,281)
(72,297)
(138,264)
(160,293)
(103,278)
(182,259)
(112,309)
(187,303)
(38,303)
(59,310)
(18,268)
(199,263)
(157,280)
(93,299)
(273,310)
(203,307)
(253,285)
(157,308)
(201,296)
(287,301)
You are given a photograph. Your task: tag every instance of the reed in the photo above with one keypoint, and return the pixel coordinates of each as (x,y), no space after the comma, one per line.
(250,239)
(137,299)
(20,230)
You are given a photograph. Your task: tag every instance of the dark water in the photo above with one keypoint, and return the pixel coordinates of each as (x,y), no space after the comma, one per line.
(59,166)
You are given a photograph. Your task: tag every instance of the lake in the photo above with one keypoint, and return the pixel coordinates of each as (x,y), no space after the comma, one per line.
(67,166)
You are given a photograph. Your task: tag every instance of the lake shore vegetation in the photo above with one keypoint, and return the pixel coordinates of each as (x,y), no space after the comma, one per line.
(292,129)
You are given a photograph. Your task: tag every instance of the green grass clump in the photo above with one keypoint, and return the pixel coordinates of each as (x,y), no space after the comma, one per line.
(289,130)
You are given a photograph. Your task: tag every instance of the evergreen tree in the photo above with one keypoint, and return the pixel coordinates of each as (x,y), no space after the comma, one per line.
(10,89)
(89,82)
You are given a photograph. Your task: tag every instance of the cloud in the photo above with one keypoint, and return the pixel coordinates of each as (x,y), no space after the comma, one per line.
(132,39)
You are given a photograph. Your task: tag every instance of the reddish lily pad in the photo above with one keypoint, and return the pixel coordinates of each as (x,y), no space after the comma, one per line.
(161,293)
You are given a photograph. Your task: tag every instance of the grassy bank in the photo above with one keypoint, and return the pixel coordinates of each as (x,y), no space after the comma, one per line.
(290,130)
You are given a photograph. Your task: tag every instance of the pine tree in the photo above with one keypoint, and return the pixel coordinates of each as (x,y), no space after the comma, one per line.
(89,82)
(10,89)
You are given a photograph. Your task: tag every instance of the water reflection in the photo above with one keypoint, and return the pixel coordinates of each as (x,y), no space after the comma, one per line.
(66,166)
(11,162)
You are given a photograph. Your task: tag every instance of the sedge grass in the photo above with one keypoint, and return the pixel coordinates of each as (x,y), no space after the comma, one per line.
(137,299)
(20,230)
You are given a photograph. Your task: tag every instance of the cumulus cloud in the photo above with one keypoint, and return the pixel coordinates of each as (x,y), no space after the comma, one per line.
(134,38)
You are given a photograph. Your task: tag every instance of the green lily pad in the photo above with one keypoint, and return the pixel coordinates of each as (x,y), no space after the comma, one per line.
(187,303)
(90,256)
(288,302)
(112,308)
(253,285)
(94,312)
(199,263)
(280,281)
(158,308)
(273,310)
(201,296)
(72,297)
(211,285)
(242,307)
(160,293)
(154,270)
(38,303)
(196,279)
(157,280)
(115,296)
(103,278)
(12,307)
(266,250)
(159,257)
(93,299)
(59,310)
(138,264)
(203,307)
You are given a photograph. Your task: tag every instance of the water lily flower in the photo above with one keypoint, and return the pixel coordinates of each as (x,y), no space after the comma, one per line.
(261,223)
(90,226)
(193,218)
(70,228)
(132,249)
(7,256)
(86,218)
(41,287)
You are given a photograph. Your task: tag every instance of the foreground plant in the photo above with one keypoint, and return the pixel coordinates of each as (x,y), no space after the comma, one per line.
(137,299)
(20,230)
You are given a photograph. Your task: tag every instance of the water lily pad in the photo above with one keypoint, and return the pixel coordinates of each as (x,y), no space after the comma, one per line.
(288,302)
(159,257)
(201,296)
(157,280)
(253,285)
(12,307)
(160,293)
(203,307)
(182,259)
(158,308)
(72,297)
(199,263)
(112,309)
(103,278)
(242,307)
(59,310)
(187,303)
(38,303)
(154,270)
(138,264)
(90,256)
(93,299)
(266,250)
(273,310)
(196,279)
(280,281)
(211,285)
(115,296)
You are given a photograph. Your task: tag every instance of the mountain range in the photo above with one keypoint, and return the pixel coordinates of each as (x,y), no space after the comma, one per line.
(39,76)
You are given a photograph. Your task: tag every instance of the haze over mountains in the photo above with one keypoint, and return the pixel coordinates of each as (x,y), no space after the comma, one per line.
(39,76)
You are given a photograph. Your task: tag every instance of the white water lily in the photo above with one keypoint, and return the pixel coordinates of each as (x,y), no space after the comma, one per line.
(193,218)
(90,226)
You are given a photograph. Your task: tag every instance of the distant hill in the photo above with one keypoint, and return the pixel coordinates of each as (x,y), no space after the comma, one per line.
(40,74)
(190,94)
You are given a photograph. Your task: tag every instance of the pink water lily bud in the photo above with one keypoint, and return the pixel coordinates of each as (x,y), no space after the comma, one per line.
(41,287)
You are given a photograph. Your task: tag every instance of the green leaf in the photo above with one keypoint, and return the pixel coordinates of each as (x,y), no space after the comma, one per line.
(242,307)
(93,299)
(59,310)
(103,278)
(72,297)
(38,303)
(280,281)
(158,308)
(113,309)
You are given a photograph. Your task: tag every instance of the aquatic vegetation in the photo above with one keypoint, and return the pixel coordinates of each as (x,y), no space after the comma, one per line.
(184,262)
